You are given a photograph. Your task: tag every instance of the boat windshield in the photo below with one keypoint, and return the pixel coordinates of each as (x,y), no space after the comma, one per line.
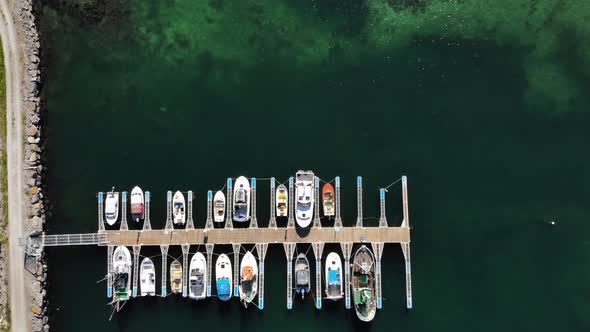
(240,196)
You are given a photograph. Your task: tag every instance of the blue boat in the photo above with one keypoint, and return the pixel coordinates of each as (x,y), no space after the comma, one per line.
(223,273)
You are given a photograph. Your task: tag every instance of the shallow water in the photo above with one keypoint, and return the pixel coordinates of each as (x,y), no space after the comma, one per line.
(489,129)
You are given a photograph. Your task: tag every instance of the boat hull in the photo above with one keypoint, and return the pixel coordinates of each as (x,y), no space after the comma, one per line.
(111,208)
(137,204)
(304,197)
(223,274)
(178,208)
(147,276)
(176,277)
(333,277)
(302,275)
(241,200)
(198,277)
(281,201)
(122,265)
(328,200)
(248,278)
(363,284)
(219,207)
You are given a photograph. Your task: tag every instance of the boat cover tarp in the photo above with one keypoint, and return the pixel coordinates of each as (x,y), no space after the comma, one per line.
(247,273)
(223,288)
(334,277)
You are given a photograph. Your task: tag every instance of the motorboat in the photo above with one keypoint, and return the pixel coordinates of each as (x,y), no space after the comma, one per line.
(219,207)
(147,276)
(223,274)
(302,281)
(281,199)
(304,195)
(363,284)
(241,199)
(137,204)
(176,276)
(248,278)
(198,277)
(178,208)
(111,207)
(333,275)
(121,276)
(328,200)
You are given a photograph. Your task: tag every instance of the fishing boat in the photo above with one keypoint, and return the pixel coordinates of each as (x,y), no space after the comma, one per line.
(241,208)
(281,201)
(198,277)
(304,194)
(248,278)
(122,276)
(219,206)
(111,207)
(328,200)
(333,277)
(302,275)
(178,208)
(363,284)
(137,206)
(223,273)
(176,276)
(147,275)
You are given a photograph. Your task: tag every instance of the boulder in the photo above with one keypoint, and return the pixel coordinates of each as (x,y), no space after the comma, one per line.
(34,190)
(36,310)
(31,130)
(31,140)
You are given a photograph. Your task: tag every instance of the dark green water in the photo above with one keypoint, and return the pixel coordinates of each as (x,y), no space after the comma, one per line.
(483,107)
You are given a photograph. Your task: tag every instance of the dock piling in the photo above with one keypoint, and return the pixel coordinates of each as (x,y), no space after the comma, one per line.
(100,213)
(382,218)
(289,250)
(318,248)
(136,250)
(169,225)
(359,201)
(146,222)
(124,226)
(337,218)
(253,220)
(189,219)
(378,252)
(236,247)
(209,247)
(185,249)
(291,221)
(164,251)
(228,203)
(346,251)
(316,219)
(209,223)
(110,250)
(272,223)
(261,249)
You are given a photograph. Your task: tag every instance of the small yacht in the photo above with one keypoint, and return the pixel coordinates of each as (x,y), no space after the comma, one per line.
(241,208)
(328,200)
(281,199)
(304,195)
(302,285)
(147,275)
(248,278)
(122,276)
(198,277)
(178,208)
(223,274)
(176,276)
(137,204)
(363,284)
(111,207)
(219,207)
(333,277)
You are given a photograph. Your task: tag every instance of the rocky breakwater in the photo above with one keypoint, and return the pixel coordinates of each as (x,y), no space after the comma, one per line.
(25,20)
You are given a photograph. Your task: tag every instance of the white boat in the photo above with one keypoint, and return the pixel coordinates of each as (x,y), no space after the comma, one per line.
(223,274)
(176,276)
(178,208)
(281,199)
(111,207)
(121,276)
(241,201)
(147,275)
(304,195)
(198,277)
(334,277)
(302,285)
(219,207)
(363,284)
(137,204)
(248,278)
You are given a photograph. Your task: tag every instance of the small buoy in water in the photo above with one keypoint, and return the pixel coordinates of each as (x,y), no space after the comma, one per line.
(551,222)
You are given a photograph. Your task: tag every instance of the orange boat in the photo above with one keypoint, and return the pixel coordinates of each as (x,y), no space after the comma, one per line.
(328,200)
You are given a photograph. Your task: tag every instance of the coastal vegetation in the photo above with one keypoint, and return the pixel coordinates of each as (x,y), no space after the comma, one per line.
(4,309)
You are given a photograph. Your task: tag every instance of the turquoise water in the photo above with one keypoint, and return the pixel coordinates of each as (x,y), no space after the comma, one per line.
(482,107)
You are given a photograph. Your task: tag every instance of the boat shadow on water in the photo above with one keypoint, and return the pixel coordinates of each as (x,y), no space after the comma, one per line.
(302,232)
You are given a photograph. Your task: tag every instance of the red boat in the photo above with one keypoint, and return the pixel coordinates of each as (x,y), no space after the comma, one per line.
(328,200)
